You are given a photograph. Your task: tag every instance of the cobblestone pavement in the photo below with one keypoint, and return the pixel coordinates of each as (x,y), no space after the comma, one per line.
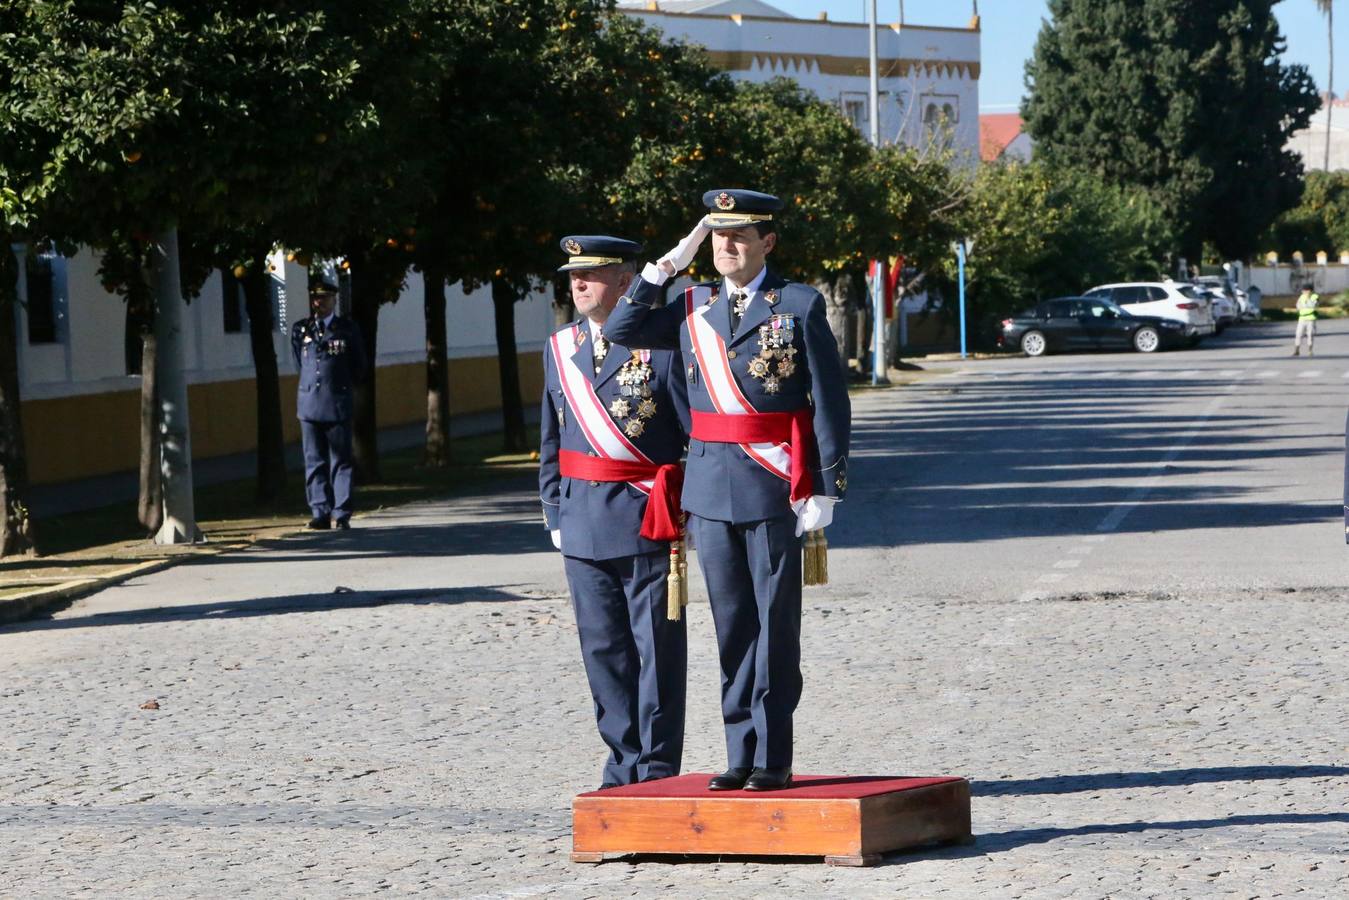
(401,709)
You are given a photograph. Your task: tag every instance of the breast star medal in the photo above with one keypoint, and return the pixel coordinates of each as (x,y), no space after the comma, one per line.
(635,404)
(775,360)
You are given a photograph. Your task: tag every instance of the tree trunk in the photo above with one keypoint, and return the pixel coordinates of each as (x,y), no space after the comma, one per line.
(150,503)
(271,454)
(17,534)
(837,293)
(365,300)
(508,365)
(175,429)
(437,370)
(564,311)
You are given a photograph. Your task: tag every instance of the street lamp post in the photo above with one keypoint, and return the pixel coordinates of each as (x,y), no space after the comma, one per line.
(876,278)
(962,247)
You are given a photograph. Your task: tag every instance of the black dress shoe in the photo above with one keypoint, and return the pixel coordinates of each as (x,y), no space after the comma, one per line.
(319,523)
(768,779)
(606,786)
(732,779)
(342,524)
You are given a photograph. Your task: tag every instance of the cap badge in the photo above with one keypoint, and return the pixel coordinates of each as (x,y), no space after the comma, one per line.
(572,247)
(725,201)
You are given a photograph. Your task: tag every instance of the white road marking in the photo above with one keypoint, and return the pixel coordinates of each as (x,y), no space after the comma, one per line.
(1118,514)
(1268,373)
(1068,564)
(1050,577)
(1229,373)
(1314,373)
(1081,551)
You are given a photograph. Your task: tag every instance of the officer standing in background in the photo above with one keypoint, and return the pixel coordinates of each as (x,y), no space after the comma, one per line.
(330,355)
(767,459)
(613,428)
(1306,319)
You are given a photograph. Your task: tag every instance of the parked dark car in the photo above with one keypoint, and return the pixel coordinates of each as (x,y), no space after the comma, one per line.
(1087,323)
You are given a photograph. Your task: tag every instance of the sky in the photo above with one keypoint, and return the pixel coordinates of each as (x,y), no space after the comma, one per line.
(1010,28)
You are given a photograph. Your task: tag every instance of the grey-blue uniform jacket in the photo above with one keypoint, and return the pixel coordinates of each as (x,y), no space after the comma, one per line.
(721,481)
(602,520)
(331,362)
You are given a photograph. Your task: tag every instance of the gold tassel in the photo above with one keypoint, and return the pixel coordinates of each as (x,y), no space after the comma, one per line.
(815,561)
(677,582)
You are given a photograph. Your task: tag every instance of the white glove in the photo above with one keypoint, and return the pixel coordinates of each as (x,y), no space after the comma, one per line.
(556,535)
(678,259)
(812,513)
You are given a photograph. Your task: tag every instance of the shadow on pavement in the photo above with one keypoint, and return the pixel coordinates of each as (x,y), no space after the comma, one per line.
(1049,453)
(270,606)
(1069,784)
(1002,841)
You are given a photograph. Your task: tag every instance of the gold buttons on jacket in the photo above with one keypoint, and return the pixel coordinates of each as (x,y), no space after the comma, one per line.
(730,354)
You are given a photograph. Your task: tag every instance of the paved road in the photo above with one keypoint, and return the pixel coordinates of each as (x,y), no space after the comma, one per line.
(1108,589)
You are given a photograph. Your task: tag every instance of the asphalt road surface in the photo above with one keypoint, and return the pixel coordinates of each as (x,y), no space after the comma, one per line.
(1109,589)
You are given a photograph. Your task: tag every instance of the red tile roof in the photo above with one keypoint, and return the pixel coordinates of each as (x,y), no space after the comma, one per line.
(996,131)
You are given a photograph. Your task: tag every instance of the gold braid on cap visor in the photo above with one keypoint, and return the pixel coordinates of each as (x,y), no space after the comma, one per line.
(734,220)
(593,262)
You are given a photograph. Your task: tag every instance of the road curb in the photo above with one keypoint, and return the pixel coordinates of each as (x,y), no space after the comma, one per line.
(22,606)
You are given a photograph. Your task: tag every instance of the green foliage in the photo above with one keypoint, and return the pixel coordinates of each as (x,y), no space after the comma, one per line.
(1319,222)
(1189,101)
(1040,232)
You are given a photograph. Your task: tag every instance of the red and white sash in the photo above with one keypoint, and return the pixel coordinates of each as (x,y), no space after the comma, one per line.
(603,435)
(722,387)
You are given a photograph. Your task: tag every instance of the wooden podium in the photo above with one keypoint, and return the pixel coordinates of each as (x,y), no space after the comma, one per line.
(849,820)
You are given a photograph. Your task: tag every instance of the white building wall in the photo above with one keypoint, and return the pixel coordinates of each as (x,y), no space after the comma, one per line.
(90,357)
(921,67)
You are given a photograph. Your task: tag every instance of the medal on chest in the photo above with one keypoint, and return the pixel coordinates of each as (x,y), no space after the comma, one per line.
(777,357)
(634,405)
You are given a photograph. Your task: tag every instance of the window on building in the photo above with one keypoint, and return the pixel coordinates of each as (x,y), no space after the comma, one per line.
(855,111)
(41,299)
(232,299)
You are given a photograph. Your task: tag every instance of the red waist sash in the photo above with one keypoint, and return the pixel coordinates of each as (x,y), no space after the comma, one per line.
(661,521)
(791,428)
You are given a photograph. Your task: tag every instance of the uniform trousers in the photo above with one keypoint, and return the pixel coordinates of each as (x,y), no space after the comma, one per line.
(753,575)
(327,467)
(635,660)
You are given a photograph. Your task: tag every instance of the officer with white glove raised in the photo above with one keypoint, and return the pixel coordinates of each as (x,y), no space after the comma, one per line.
(767,459)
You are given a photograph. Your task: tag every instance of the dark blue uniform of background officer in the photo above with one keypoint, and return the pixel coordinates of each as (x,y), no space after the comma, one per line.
(330,355)
(746,526)
(635,657)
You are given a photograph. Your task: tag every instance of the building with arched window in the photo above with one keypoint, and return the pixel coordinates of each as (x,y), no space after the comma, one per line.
(929,76)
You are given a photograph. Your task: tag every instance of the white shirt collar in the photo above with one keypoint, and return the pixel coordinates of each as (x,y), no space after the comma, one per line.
(751,288)
(596,328)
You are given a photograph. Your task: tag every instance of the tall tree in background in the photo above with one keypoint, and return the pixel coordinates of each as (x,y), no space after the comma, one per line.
(1328,7)
(1190,101)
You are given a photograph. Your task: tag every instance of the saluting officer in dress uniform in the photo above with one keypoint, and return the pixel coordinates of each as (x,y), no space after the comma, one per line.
(614,424)
(767,459)
(330,355)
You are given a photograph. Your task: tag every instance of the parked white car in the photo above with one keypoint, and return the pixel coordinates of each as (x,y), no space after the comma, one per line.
(1247,302)
(1224,307)
(1168,299)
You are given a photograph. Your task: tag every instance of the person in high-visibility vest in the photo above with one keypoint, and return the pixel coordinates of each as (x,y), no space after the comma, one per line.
(1306,320)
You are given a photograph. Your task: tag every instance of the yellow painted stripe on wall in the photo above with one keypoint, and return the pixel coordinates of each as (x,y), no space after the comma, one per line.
(99,434)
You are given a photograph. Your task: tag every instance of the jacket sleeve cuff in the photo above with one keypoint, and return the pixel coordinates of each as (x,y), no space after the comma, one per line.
(832,480)
(550,515)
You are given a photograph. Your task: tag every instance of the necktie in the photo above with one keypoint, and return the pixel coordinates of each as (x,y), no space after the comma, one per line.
(740,303)
(601,350)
